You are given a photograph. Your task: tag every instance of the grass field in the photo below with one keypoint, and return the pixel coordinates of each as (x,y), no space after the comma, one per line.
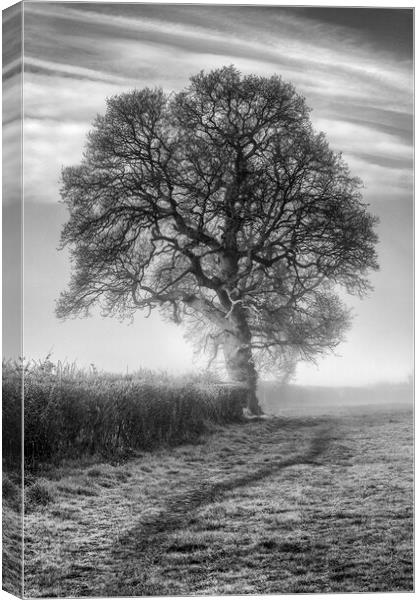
(314,503)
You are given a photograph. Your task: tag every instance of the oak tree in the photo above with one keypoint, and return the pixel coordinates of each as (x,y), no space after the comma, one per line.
(222,207)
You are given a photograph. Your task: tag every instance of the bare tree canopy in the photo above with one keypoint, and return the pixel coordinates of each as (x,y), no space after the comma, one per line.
(222,207)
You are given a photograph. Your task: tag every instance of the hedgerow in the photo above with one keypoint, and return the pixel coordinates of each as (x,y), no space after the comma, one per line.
(70,412)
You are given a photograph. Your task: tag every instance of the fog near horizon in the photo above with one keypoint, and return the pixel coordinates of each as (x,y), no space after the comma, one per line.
(353,73)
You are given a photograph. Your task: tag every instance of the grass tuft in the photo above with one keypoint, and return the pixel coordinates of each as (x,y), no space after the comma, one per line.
(10,490)
(39,493)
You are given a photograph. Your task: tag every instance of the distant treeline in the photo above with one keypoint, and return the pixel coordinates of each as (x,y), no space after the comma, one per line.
(70,412)
(275,396)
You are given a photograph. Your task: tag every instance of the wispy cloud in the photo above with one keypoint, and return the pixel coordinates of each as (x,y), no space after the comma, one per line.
(106,49)
(57,69)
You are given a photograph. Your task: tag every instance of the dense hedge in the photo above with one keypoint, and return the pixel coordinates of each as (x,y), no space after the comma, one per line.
(12,415)
(69,413)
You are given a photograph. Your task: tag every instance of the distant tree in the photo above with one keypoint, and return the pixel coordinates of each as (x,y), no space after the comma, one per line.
(221,206)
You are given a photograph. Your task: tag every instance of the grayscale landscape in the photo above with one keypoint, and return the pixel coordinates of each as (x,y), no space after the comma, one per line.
(213,390)
(315,499)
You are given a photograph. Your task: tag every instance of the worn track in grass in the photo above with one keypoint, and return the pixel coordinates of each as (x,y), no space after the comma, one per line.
(145,540)
(311,504)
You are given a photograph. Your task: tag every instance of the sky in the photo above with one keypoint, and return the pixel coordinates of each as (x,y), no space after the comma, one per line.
(354,66)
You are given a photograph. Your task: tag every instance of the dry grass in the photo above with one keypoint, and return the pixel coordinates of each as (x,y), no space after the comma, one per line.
(71,413)
(295,504)
(11,535)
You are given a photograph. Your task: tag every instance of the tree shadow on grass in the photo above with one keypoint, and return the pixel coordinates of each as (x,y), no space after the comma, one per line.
(139,548)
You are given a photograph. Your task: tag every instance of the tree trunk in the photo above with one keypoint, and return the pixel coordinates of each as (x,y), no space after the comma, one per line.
(239,361)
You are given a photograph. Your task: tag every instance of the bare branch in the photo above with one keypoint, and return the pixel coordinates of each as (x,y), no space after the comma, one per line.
(220,204)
